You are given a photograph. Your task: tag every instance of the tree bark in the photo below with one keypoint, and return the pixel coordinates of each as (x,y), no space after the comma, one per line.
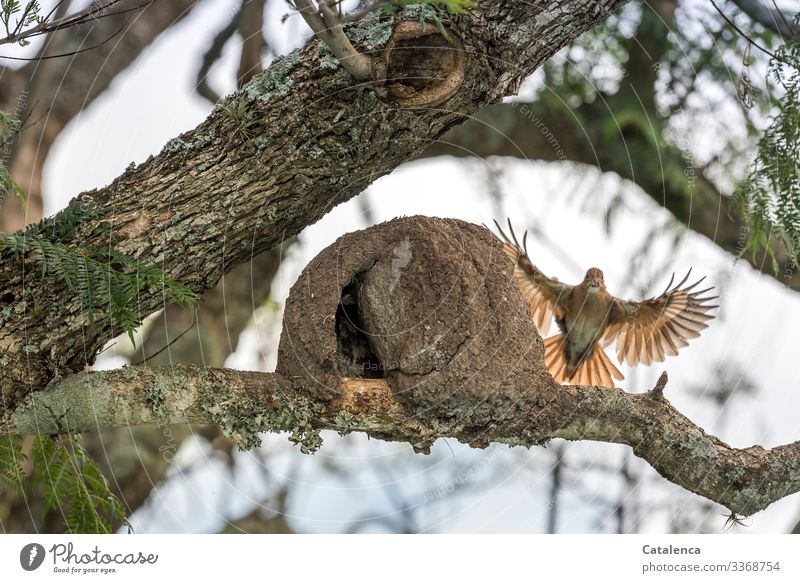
(273,157)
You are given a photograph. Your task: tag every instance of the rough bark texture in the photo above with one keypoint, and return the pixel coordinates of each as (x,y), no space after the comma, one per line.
(438,381)
(270,159)
(53,91)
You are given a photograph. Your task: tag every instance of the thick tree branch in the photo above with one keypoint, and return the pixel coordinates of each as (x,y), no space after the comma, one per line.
(297,140)
(743,480)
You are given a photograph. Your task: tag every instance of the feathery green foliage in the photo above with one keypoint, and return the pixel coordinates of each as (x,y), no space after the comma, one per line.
(72,484)
(107,283)
(11,457)
(16,15)
(770,197)
(62,479)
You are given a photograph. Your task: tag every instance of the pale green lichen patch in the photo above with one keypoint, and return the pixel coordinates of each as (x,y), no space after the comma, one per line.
(326,58)
(735,474)
(170,395)
(155,395)
(702,447)
(201,141)
(512,441)
(373,31)
(347,422)
(275,80)
(243,419)
(750,500)
(177,145)
(696,445)
(420,12)
(174,146)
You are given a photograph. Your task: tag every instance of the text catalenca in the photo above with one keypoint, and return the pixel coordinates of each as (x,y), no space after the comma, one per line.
(65,554)
(670,550)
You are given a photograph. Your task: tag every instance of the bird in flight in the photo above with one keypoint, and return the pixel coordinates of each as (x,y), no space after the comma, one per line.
(590,318)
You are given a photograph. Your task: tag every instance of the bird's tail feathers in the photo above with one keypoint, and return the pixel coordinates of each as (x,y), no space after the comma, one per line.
(595,370)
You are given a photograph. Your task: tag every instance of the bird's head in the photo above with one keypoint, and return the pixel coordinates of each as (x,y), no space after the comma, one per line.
(594,278)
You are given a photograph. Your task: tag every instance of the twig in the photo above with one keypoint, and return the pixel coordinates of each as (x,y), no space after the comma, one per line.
(67,54)
(657,392)
(170,343)
(743,34)
(80,17)
(330,32)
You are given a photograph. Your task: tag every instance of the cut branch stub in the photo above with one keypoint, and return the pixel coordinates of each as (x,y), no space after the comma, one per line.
(429,304)
(423,67)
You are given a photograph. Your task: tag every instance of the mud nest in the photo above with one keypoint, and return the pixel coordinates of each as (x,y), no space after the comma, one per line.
(428,304)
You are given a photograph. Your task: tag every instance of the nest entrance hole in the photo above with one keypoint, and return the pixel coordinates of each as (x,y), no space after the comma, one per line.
(423,66)
(352,340)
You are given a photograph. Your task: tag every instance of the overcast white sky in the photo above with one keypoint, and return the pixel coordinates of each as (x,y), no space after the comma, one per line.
(756,328)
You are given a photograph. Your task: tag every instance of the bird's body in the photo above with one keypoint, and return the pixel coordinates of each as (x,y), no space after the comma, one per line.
(585,319)
(589,317)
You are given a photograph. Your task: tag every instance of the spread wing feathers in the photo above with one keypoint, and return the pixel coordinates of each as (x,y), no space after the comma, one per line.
(597,369)
(650,330)
(544,294)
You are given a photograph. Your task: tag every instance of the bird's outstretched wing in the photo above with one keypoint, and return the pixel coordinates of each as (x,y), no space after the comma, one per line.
(649,330)
(544,294)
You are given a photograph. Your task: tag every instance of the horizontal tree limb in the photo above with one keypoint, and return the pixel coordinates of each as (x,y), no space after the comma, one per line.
(246,403)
